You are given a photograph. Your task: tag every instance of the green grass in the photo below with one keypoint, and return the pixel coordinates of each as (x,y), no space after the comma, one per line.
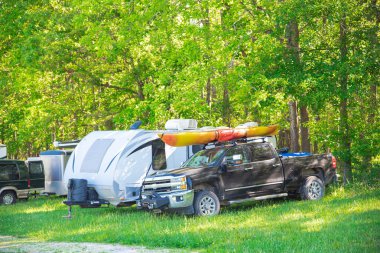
(346,220)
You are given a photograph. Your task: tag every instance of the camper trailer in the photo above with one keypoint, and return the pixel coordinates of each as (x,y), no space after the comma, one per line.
(55,162)
(112,165)
(3,151)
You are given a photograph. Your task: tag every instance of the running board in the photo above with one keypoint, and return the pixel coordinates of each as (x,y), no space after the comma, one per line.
(258,198)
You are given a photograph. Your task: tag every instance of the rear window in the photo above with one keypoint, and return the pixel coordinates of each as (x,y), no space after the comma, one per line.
(261,152)
(8,172)
(35,168)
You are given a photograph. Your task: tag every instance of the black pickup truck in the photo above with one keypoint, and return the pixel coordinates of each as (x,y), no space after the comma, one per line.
(236,173)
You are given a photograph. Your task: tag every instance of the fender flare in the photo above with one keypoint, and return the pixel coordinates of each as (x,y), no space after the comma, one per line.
(8,188)
(214,184)
(315,171)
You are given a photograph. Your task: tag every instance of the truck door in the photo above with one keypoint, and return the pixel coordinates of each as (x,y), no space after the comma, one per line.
(237,176)
(36,174)
(267,171)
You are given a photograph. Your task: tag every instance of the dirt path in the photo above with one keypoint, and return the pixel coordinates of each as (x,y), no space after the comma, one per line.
(24,245)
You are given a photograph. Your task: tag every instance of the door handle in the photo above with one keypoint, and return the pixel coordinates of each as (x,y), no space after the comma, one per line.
(276,165)
(249,168)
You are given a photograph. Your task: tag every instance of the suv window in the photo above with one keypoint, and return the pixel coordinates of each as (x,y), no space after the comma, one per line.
(238,152)
(261,152)
(24,173)
(8,172)
(158,153)
(35,168)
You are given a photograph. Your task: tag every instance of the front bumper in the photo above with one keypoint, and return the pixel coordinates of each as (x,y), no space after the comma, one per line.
(172,200)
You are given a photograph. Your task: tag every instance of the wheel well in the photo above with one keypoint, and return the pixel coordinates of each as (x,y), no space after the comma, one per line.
(207,186)
(9,190)
(318,172)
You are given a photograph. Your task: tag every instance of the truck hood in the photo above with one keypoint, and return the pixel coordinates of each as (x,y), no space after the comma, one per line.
(183,171)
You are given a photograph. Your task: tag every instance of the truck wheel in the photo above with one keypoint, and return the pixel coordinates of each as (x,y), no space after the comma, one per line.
(206,203)
(8,198)
(312,189)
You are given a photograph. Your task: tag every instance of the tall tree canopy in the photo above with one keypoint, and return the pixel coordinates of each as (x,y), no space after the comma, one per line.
(70,67)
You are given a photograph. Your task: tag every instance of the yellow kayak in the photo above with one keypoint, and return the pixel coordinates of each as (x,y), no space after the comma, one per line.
(186,138)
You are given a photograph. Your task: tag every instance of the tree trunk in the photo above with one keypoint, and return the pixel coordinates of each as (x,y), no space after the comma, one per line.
(140,90)
(305,140)
(206,24)
(208,92)
(294,135)
(345,142)
(256,115)
(374,80)
(226,106)
(315,144)
(292,43)
(283,140)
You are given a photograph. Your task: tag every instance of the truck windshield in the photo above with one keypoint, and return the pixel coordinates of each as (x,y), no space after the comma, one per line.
(204,158)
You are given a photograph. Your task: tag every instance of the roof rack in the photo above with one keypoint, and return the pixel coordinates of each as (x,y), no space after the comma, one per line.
(235,142)
(254,139)
(66,144)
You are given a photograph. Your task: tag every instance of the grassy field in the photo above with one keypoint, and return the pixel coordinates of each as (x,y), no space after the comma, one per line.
(346,220)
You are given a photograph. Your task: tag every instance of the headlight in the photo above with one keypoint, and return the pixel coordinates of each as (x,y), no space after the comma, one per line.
(178,180)
(180,183)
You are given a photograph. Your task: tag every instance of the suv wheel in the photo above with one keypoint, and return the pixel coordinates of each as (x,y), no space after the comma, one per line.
(206,203)
(312,189)
(8,198)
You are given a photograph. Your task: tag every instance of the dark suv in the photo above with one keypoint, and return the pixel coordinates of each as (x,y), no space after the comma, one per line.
(17,180)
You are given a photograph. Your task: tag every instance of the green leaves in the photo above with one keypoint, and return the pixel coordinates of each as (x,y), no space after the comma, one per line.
(68,68)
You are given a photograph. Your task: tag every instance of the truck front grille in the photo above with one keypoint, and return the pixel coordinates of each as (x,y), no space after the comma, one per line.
(165,181)
(157,186)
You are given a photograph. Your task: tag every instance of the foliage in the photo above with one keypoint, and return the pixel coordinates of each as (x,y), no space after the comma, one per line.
(70,67)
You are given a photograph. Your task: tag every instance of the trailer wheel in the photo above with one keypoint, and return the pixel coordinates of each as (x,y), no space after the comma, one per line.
(206,203)
(312,189)
(8,198)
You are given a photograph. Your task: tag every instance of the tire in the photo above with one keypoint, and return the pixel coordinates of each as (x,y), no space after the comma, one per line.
(312,189)
(8,198)
(206,203)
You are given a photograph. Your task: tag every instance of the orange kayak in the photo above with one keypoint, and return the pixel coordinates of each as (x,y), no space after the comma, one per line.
(186,138)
